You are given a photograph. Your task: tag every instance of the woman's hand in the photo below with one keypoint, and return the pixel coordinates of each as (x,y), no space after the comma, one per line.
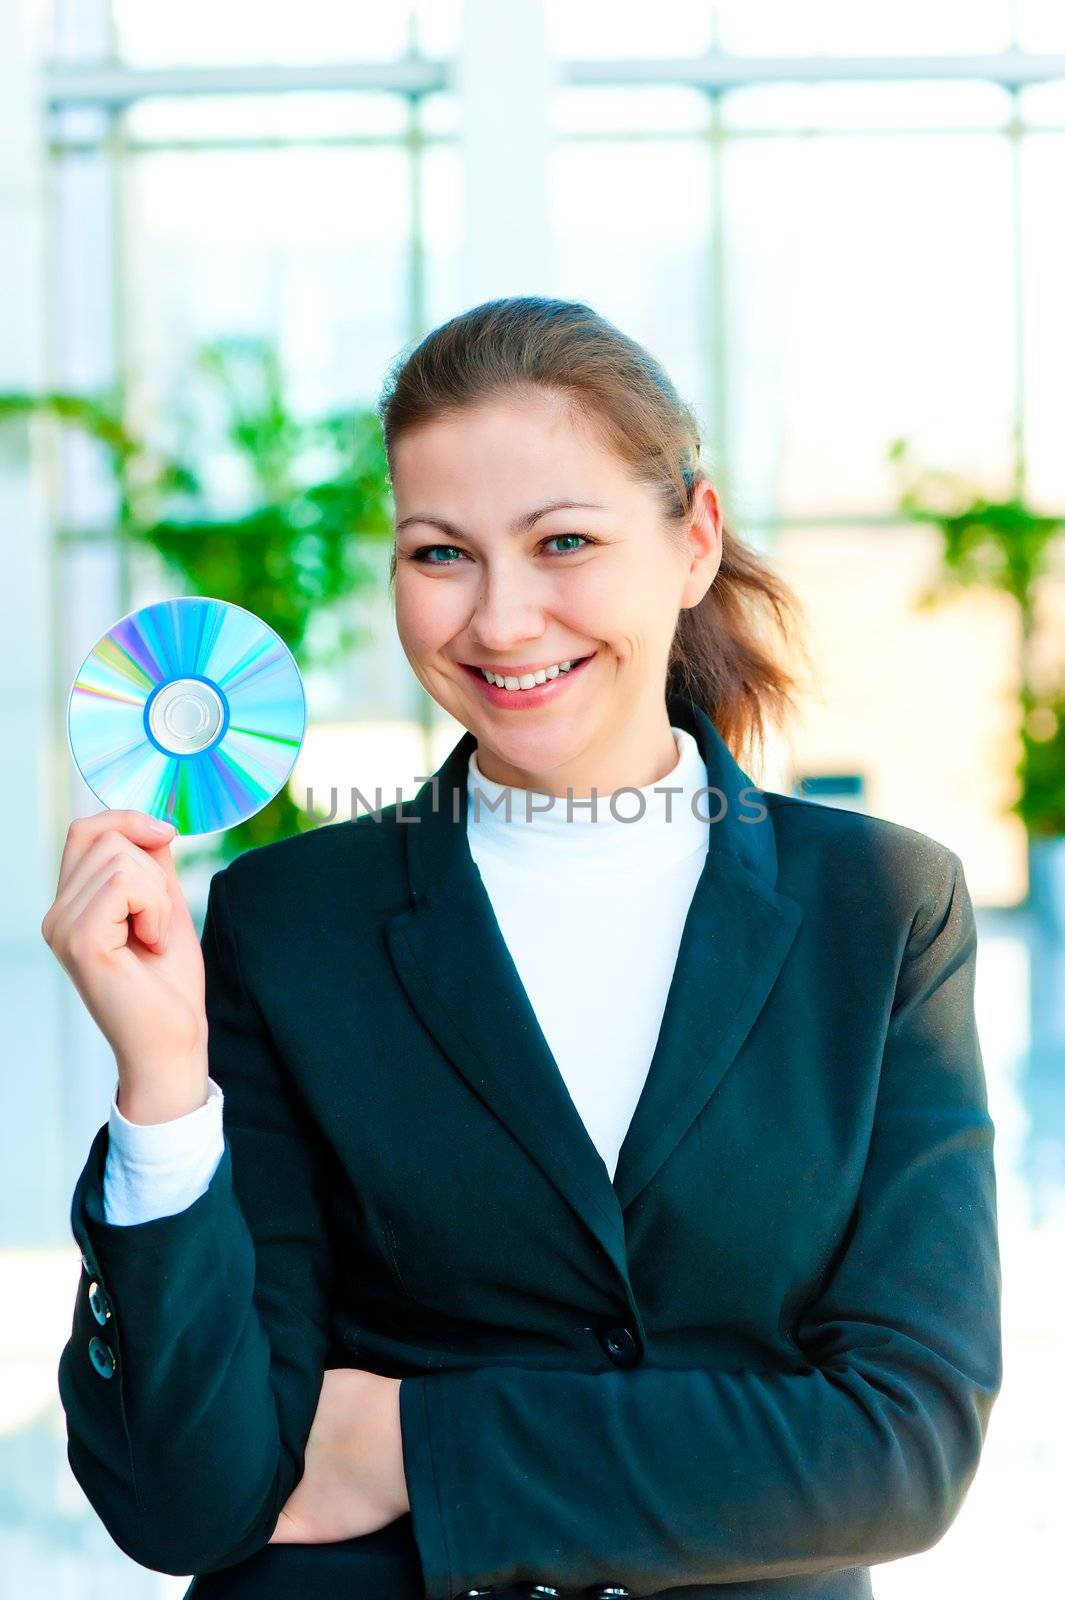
(121,928)
(353,1481)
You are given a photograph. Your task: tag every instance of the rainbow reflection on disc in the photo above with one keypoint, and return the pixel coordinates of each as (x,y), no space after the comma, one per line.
(192,710)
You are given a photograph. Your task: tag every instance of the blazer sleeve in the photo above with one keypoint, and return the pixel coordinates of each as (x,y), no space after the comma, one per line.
(194,1365)
(652,1478)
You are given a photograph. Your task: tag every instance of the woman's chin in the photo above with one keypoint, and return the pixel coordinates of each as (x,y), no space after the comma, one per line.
(531,760)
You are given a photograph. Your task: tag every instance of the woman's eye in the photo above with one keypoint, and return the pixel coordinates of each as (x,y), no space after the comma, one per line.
(427,550)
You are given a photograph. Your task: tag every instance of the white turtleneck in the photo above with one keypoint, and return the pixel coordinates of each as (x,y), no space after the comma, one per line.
(591,908)
(592,911)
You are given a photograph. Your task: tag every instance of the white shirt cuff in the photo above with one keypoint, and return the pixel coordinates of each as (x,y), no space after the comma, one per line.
(154,1169)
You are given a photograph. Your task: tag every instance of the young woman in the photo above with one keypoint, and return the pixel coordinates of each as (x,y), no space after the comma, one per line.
(576,1181)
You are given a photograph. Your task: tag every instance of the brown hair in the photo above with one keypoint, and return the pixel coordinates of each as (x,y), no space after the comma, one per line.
(719,657)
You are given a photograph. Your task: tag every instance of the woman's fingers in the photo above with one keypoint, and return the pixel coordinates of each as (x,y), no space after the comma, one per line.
(84,832)
(136,886)
(118,897)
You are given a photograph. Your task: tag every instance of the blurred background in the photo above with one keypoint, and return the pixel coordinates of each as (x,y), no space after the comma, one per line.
(839,227)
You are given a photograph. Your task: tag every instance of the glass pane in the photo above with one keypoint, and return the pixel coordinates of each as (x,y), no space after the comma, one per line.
(443,233)
(82,190)
(437,24)
(190,118)
(79,30)
(1041,25)
(1043,157)
(306,247)
(920,703)
(83,302)
(78,124)
(651,109)
(841,28)
(1043,105)
(440,114)
(846,107)
(604,28)
(631,229)
(90,602)
(159,33)
(868,290)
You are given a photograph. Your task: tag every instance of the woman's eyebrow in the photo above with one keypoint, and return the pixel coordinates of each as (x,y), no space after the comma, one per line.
(520,525)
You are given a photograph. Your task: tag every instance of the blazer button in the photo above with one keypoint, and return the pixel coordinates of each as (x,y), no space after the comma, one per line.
(101,1306)
(102,1357)
(620,1345)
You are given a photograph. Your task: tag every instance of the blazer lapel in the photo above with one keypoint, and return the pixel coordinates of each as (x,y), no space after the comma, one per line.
(452,960)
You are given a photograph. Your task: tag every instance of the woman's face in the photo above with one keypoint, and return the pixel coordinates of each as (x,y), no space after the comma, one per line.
(486,576)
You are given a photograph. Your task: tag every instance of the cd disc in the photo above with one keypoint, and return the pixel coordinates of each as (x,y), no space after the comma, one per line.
(192,710)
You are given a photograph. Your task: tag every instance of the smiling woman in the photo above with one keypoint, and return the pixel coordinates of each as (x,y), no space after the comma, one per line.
(601,1204)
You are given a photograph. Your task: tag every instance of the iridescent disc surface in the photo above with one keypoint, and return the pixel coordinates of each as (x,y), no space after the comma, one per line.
(192,710)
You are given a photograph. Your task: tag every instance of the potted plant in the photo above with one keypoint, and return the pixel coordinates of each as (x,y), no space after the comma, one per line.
(1010,546)
(316,495)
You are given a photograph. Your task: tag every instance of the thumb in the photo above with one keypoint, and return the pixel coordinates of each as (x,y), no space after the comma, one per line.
(156,836)
(156,829)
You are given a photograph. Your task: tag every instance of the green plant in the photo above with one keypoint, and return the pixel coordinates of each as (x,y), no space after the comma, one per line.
(1042,766)
(315,497)
(1007,545)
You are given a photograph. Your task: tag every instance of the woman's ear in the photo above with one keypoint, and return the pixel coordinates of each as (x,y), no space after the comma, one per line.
(704,537)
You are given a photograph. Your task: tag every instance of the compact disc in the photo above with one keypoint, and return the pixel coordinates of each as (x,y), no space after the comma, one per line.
(192,710)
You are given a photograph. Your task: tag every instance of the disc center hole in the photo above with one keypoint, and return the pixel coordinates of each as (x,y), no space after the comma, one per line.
(186,717)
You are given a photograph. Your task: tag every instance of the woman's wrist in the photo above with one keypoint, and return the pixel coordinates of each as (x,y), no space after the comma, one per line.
(162,1102)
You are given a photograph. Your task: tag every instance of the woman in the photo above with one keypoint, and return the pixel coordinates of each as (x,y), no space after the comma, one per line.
(604,1197)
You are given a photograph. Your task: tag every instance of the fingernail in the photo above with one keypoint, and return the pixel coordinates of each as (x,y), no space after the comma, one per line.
(161,827)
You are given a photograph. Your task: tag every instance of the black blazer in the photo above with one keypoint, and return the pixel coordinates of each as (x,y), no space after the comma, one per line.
(759,1360)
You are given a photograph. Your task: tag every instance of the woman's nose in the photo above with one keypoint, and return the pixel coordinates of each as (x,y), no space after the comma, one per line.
(506,611)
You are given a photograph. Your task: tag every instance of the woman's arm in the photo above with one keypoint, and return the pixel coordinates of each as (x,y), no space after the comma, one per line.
(216,1317)
(651,1478)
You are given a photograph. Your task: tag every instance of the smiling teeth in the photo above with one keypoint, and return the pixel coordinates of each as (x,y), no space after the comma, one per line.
(528,680)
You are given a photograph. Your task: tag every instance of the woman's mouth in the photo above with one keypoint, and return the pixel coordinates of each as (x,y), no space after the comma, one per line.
(539,694)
